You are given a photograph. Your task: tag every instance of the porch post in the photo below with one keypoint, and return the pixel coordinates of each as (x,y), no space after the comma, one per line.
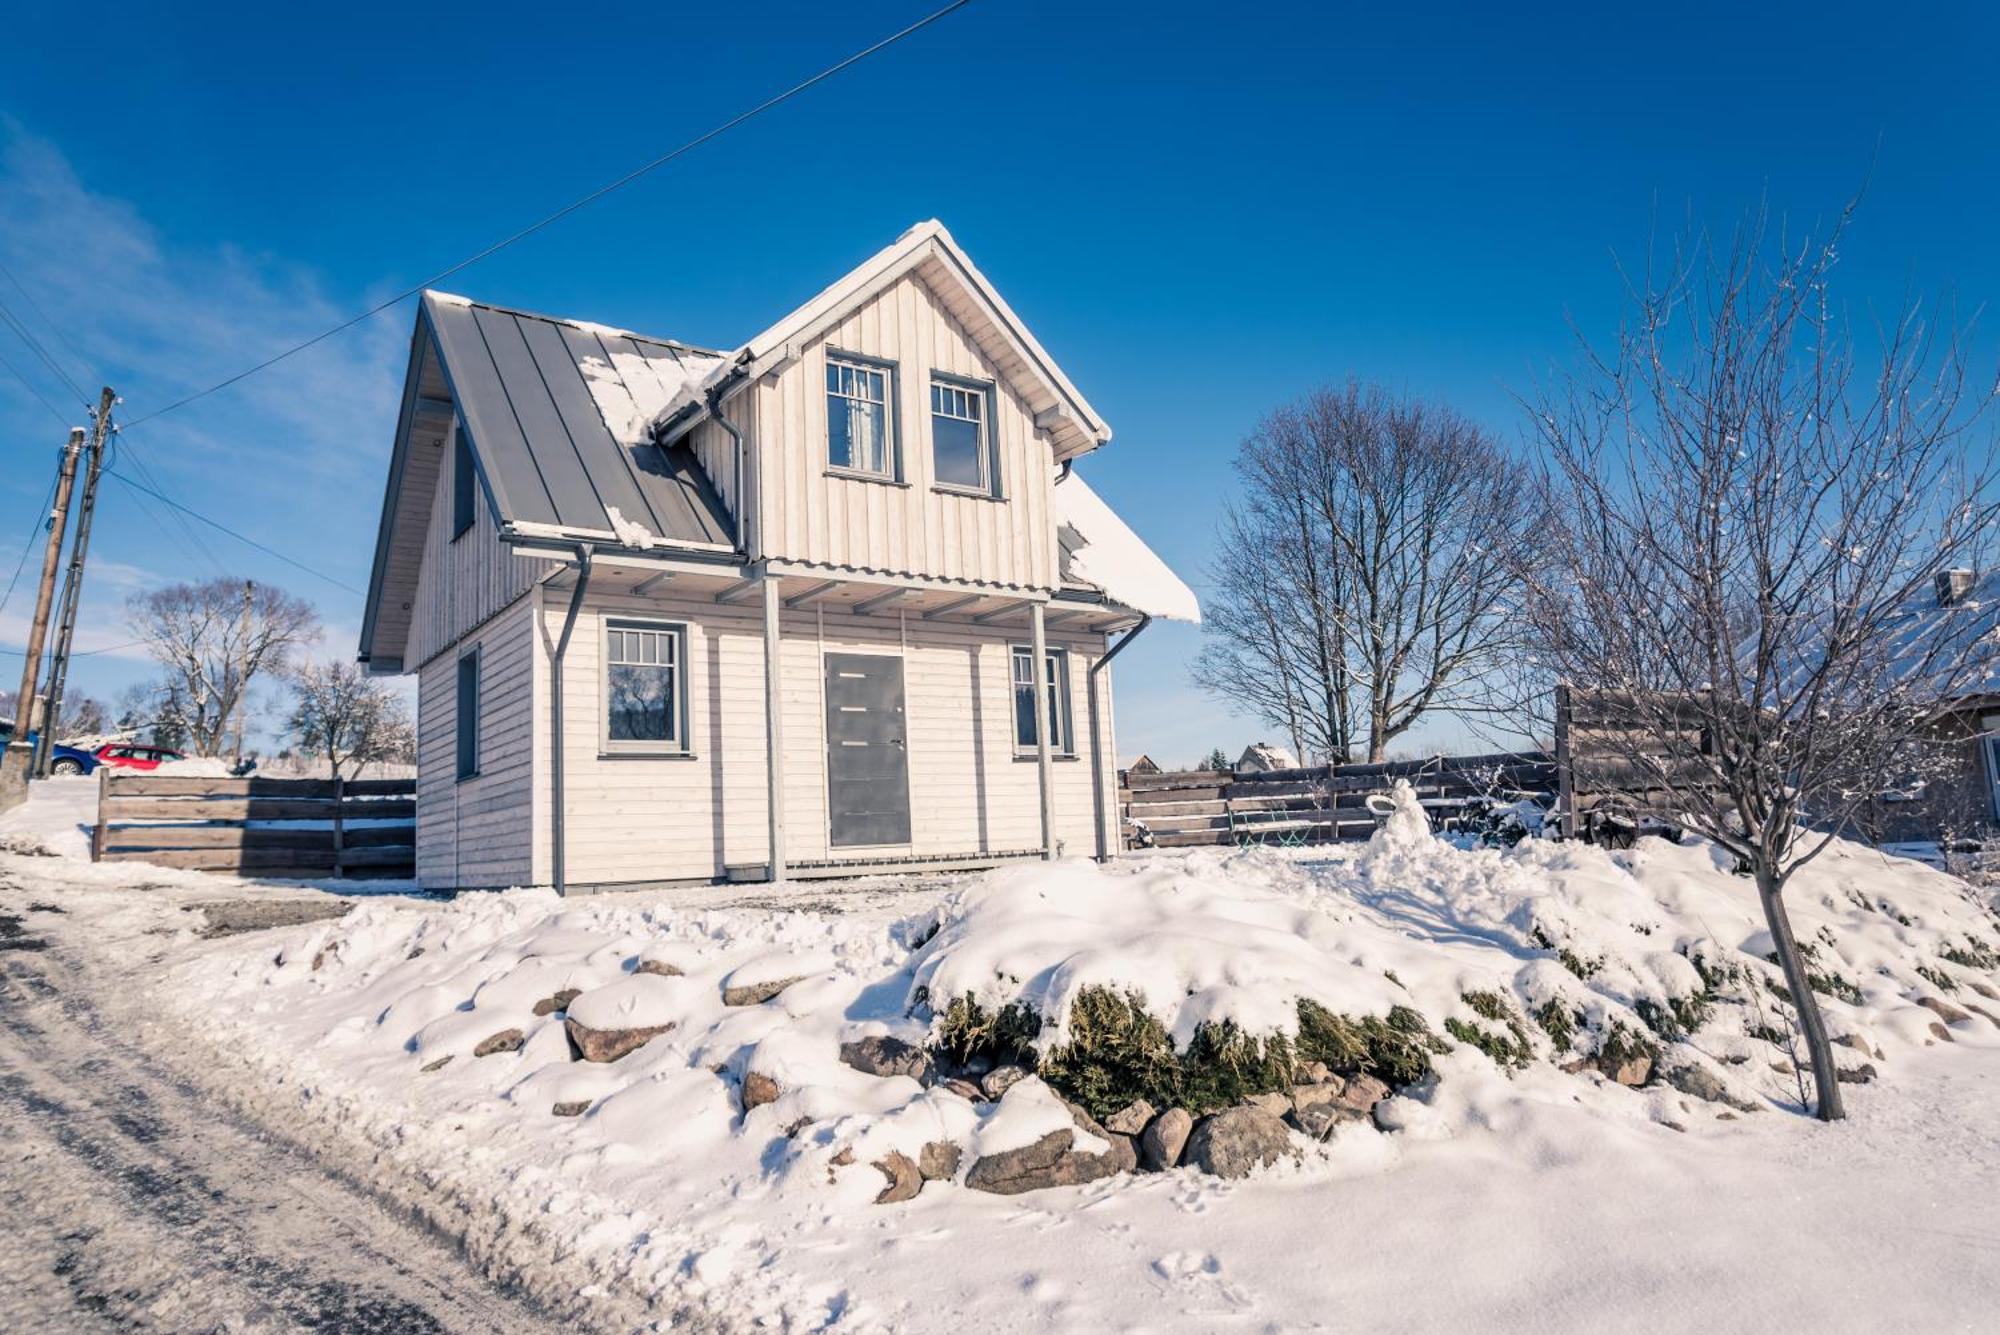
(774,743)
(1044,767)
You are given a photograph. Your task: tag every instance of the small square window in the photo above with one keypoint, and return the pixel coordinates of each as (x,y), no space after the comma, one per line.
(962,435)
(859,438)
(645,687)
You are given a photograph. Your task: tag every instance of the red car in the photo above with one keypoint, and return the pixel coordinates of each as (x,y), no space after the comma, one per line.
(126,756)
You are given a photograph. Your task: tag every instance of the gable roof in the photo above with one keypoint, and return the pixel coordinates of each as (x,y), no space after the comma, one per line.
(1100,549)
(928,250)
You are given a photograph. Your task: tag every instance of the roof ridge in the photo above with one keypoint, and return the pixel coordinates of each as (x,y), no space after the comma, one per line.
(586,326)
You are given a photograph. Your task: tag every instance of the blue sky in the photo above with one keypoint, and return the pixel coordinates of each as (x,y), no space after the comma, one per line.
(1201,212)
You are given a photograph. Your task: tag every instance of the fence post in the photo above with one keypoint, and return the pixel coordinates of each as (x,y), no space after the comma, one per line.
(339,828)
(104,773)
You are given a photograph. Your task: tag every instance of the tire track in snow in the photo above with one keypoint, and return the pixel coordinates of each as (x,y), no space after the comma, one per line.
(139,1204)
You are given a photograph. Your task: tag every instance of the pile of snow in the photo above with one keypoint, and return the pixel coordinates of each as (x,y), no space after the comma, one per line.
(650,1170)
(1116,560)
(194,767)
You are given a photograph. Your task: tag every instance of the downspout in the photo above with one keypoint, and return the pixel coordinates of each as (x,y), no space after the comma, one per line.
(1096,748)
(584,551)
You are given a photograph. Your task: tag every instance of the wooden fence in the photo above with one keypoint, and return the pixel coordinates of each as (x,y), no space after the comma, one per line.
(1313,805)
(305,828)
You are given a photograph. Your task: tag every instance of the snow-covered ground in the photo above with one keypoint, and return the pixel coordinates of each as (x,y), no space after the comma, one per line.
(1515,1197)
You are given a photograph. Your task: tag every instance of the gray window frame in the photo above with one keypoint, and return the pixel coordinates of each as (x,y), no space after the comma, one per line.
(1063,746)
(679,746)
(464,719)
(892,435)
(989,435)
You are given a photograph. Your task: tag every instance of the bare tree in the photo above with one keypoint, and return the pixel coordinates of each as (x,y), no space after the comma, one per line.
(349,718)
(1753,519)
(213,640)
(1365,570)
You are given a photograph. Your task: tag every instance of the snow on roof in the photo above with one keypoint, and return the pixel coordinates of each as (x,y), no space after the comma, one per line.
(1115,559)
(1959,640)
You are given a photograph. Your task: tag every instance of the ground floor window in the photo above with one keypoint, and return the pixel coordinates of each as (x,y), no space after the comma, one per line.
(468,714)
(1062,738)
(645,687)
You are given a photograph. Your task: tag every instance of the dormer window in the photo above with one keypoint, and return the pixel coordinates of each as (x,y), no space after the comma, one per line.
(962,435)
(859,433)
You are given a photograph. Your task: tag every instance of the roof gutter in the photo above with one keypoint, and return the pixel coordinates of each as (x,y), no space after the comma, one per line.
(1104,838)
(584,553)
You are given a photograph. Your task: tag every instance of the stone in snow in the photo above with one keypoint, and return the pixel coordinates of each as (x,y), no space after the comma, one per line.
(507,1040)
(577,1108)
(559,1002)
(1049,1162)
(1001,1079)
(438,1065)
(608,1045)
(755,994)
(758,1090)
(1275,1104)
(1236,1141)
(880,1055)
(1697,1081)
(938,1161)
(966,1090)
(904,1179)
(1131,1119)
(664,968)
(1943,1009)
(1855,1075)
(1161,1143)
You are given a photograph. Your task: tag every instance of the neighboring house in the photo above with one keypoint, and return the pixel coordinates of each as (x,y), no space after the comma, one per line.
(1263,757)
(682,615)
(1145,764)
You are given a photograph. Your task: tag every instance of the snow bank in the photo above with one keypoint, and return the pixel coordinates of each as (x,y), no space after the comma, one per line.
(200,767)
(1116,560)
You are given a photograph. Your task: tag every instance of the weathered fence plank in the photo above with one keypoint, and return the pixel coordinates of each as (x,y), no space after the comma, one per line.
(266,827)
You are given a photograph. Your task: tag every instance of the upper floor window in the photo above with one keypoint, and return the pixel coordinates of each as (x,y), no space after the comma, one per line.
(859,435)
(464,483)
(645,687)
(962,435)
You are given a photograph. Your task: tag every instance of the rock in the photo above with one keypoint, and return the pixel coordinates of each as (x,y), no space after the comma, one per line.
(1983,989)
(1318,1094)
(1161,1143)
(1855,1075)
(416,952)
(1317,1073)
(1633,1071)
(1941,1033)
(1131,1119)
(1236,1141)
(1319,1120)
(507,1040)
(1699,1082)
(608,1045)
(938,1161)
(1859,1044)
(965,1089)
(559,1002)
(758,1090)
(1362,1093)
(756,994)
(575,1109)
(663,968)
(439,1064)
(1983,1013)
(1274,1103)
(1049,1162)
(844,1158)
(904,1179)
(1001,1079)
(880,1055)
(1943,1009)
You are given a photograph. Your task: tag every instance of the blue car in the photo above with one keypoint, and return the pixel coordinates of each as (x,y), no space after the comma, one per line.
(62,759)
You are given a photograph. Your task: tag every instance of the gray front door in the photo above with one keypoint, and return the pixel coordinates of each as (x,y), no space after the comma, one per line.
(867,770)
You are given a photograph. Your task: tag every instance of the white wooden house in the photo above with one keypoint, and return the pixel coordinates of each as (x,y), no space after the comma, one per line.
(681,615)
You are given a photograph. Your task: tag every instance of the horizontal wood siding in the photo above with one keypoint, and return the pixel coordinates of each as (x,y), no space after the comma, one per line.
(909,529)
(465,580)
(672,818)
(475,832)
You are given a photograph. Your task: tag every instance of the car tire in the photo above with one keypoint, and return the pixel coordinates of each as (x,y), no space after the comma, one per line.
(66,766)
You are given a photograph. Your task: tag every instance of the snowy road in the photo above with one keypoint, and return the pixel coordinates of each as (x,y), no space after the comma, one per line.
(135,1203)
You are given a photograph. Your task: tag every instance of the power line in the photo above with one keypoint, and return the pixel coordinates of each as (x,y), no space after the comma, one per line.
(27,336)
(27,544)
(29,385)
(567,209)
(224,528)
(86,653)
(54,328)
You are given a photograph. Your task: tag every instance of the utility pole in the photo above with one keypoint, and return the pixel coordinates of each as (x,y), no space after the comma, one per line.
(73,585)
(25,720)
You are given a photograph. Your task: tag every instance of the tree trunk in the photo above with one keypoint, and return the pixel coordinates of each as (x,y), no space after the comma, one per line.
(1826,1079)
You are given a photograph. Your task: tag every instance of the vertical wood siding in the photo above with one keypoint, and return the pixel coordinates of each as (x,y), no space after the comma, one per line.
(807,515)
(474,832)
(464,581)
(640,819)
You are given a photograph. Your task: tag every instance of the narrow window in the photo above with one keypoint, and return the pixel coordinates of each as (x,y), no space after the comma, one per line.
(961,435)
(1062,739)
(464,483)
(857,418)
(644,687)
(468,715)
